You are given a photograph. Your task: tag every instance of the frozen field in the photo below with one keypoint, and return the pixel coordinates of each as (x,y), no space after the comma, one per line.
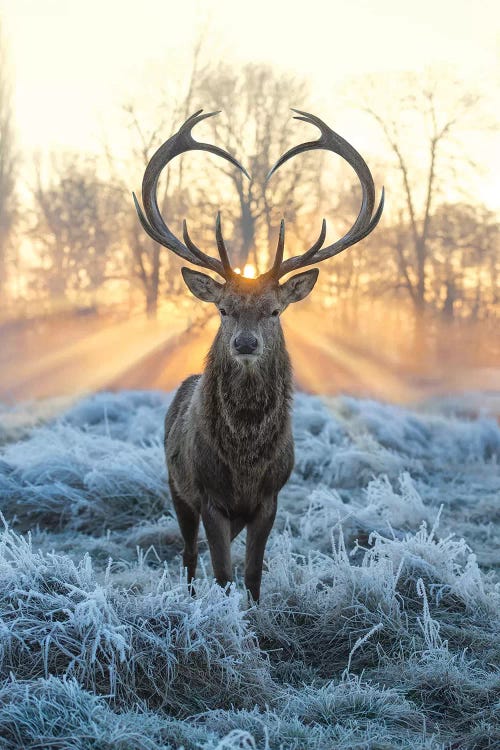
(379,621)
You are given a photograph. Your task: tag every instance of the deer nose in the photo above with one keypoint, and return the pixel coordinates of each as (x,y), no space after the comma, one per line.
(245,343)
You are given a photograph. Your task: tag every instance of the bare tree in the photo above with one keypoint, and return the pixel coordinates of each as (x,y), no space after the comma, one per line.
(76,227)
(148,260)
(150,265)
(8,166)
(255,125)
(465,260)
(419,126)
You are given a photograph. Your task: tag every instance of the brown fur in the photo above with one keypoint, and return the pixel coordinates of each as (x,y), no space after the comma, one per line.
(228,437)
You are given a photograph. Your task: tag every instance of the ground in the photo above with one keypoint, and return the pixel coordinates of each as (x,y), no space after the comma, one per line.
(379,621)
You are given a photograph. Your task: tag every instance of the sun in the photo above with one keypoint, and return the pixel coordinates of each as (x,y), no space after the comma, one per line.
(249,271)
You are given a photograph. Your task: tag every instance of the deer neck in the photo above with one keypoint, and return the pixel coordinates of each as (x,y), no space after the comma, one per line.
(246,399)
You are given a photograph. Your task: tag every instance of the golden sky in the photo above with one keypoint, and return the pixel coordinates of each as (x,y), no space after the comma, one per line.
(75,61)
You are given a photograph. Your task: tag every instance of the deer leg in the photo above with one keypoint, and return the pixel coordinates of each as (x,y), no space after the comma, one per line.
(218,531)
(189,521)
(258,530)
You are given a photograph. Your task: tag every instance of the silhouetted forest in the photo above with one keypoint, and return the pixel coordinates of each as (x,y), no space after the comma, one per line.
(70,239)
(421,288)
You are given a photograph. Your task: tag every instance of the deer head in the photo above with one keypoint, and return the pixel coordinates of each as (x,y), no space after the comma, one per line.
(250,308)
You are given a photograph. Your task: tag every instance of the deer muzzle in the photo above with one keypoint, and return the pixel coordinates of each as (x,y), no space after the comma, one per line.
(246,343)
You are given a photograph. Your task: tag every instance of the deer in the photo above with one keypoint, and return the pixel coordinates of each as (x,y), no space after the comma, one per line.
(229,446)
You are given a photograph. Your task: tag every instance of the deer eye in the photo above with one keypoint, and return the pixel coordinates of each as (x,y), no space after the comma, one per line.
(222,311)
(275,313)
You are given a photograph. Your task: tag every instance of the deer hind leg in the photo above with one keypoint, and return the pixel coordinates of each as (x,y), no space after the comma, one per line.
(218,531)
(189,522)
(258,530)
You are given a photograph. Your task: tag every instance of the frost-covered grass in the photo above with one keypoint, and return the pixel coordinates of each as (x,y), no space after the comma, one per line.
(379,622)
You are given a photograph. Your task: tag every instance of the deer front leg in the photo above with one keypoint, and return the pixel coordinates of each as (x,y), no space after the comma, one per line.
(189,521)
(218,531)
(258,530)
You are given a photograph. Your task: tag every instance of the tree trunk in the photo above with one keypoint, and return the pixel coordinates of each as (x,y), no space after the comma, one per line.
(420,290)
(248,235)
(448,310)
(152,303)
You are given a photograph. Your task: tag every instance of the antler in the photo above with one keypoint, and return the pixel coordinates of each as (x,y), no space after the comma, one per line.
(151,218)
(366,220)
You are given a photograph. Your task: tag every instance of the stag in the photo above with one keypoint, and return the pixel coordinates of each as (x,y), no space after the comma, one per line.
(228,439)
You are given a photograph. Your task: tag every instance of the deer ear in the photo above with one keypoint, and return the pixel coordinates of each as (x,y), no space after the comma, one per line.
(201,285)
(298,287)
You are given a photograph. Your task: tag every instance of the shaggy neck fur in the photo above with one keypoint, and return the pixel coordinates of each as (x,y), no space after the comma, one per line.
(247,407)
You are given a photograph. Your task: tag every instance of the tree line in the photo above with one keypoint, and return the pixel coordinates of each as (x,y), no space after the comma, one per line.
(435,249)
